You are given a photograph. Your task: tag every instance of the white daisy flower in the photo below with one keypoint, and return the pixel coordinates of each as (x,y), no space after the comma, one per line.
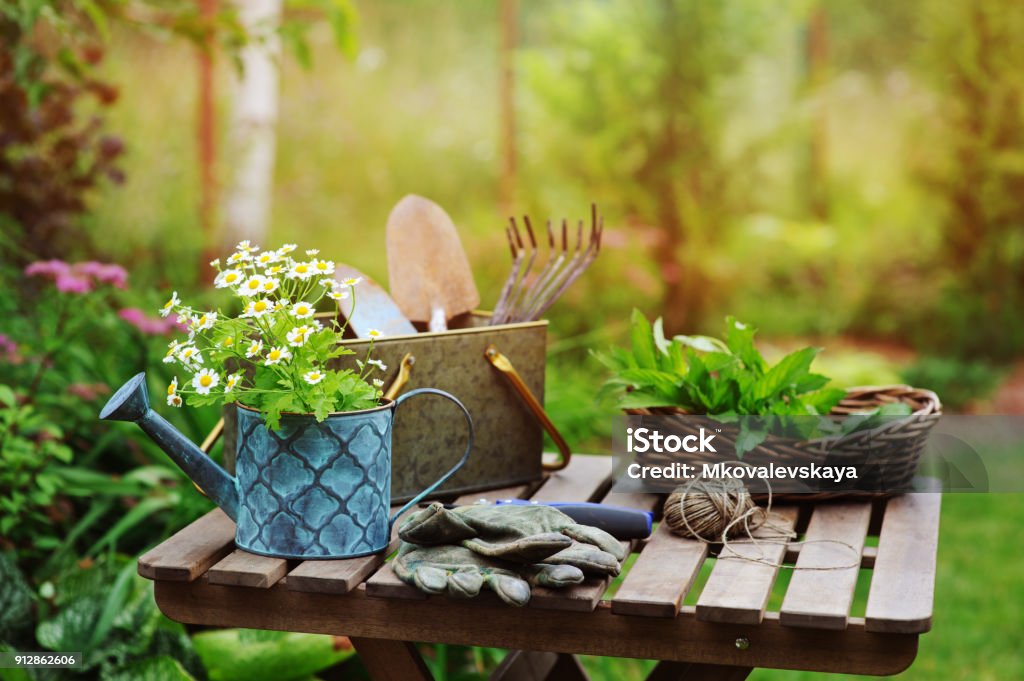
(172,388)
(278,355)
(374,333)
(352,281)
(312,251)
(279,305)
(275,269)
(286,249)
(232,381)
(302,310)
(270,285)
(267,258)
(170,305)
(323,267)
(337,294)
(255,348)
(258,308)
(172,349)
(174,400)
(205,380)
(246,246)
(215,262)
(378,383)
(229,278)
(313,377)
(190,355)
(377,363)
(300,270)
(298,336)
(251,286)
(236,258)
(203,321)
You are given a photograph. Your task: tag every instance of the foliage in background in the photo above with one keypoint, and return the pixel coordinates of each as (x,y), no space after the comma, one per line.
(957,382)
(647,86)
(975,57)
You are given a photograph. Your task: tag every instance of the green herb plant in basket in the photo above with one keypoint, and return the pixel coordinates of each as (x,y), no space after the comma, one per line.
(728,378)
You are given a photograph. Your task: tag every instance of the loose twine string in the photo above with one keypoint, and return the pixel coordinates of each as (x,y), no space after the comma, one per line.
(713,509)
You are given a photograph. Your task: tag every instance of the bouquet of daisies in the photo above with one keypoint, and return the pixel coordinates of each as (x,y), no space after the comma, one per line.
(273,354)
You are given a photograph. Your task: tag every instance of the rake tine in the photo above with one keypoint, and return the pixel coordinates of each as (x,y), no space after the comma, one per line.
(597,227)
(522,296)
(515,244)
(550,272)
(554,283)
(521,285)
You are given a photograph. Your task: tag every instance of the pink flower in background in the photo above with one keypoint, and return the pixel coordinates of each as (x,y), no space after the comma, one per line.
(107,273)
(88,391)
(72,283)
(79,277)
(47,268)
(150,326)
(9,350)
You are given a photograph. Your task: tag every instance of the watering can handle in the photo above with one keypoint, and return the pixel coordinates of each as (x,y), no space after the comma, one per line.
(465,455)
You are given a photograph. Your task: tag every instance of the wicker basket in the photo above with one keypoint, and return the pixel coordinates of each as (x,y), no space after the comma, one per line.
(897,445)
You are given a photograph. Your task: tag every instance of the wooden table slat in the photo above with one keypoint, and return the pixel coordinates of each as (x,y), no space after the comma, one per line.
(661,575)
(241,568)
(822,598)
(192,550)
(903,582)
(737,590)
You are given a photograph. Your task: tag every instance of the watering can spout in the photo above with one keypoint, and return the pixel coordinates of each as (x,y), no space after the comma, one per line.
(131,403)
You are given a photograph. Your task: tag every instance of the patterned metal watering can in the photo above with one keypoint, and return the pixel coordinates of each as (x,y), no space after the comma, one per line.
(306,490)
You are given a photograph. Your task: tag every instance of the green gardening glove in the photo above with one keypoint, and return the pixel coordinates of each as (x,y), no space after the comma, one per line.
(462,573)
(517,534)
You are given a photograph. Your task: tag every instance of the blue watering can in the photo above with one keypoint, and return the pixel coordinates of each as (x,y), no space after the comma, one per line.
(306,490)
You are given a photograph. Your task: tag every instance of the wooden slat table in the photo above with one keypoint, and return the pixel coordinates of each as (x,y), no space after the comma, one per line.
(202,579)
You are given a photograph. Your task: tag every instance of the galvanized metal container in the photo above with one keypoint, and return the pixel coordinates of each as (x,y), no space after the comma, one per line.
(509,438)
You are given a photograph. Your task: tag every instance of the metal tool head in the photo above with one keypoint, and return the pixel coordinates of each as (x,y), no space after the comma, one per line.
(427,267)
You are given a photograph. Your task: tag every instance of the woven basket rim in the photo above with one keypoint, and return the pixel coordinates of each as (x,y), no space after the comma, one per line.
(932,406)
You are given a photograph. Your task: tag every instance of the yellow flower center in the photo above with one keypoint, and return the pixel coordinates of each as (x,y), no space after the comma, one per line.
(230,277)
(260,306)
(253,285)
(205,381)
(171,389)
(169,304)
(302,309)
(229,341)
(301,269)
(274,354)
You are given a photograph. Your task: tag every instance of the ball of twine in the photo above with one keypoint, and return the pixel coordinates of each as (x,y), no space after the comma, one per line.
(713,510)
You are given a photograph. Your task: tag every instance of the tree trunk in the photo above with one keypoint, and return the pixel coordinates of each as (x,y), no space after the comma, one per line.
(253,119)
(509,39)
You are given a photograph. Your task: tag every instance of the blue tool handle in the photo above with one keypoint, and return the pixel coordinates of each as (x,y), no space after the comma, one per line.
(618,521)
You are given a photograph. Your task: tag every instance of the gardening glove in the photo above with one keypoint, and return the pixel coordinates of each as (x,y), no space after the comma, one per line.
(517,534)
(462,573)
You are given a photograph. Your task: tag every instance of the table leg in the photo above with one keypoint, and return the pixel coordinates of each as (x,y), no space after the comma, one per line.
(391,660)
(527,665)
(684,671)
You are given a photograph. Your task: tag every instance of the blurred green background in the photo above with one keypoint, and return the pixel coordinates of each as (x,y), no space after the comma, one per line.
(847,174)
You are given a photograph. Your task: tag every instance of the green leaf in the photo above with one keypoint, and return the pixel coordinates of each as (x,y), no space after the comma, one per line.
(160,668)
(786,374)
(642,338)
(15,597)
(740,340)
(748,437)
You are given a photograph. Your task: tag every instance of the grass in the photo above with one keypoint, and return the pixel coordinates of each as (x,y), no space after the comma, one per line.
(978,619)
